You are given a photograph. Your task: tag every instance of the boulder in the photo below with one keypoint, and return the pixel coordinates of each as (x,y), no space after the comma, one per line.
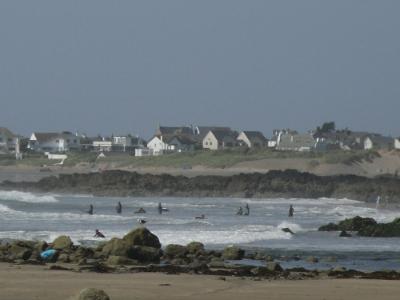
(274,267)
(312,259)
(145,254)
(63,242)
(391,229)
(93,294)
(344,233)
(120,261)
(175,251)
(117,247)
(63,257)
(355,224)
(195,247)
(288,230)
(232,253)
(142,237)
(329,227)
(19,250)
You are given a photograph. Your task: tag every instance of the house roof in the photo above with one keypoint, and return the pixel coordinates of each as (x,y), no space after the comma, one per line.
(6,132)
(201,131)
(224,134)
(253,135)
(165,130)
(380,140)
(297,141)
(47,136)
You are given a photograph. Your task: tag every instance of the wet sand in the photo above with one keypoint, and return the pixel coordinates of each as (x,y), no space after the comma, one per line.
(37,282)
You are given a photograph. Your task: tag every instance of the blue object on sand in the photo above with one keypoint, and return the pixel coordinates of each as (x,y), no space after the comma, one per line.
(48,254)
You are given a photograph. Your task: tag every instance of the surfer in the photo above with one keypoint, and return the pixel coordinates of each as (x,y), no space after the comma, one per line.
(90,211)
(240,211)
(140,211)
(99,234)
(378,202)
(247,212)
(118,208)
(142,221)
(201,217)
(291,210)
(160,208)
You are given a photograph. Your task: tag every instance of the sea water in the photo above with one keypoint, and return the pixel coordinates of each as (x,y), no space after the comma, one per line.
(46,216)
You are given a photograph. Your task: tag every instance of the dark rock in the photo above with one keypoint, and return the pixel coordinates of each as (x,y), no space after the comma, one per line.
(19,250)
(175,251)
(344,233)
(93,294)
(312,259)
(356,223)
(232,253)
(142,237)
(329,227)
(195,247)
(274,266)
(63,242)
(121,261)
(117,247)
(145,254)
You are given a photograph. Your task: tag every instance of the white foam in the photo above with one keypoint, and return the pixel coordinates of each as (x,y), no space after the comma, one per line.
(243,235)
(26,197)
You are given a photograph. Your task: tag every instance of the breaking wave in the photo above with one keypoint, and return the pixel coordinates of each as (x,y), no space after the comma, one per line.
(26,197)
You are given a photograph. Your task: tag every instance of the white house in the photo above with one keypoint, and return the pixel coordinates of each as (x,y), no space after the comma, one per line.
(8,140)
(219,139)
(53,142)
(102,145)
(377,141)
(397,143)
(161,144)
(252,139)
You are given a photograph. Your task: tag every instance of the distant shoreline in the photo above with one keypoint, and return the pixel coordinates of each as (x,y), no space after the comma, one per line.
(285,184)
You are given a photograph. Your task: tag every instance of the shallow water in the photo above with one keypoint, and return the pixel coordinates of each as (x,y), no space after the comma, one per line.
(44,217)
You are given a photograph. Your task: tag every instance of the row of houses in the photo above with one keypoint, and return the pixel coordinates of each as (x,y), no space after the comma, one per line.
(189,138)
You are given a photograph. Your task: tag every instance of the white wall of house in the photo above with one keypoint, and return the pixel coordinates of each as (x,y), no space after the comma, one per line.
(158,146)
(242,137)
(144,152)
(62,143)
(368,144)
(210,141)
(102,146)
(397,143)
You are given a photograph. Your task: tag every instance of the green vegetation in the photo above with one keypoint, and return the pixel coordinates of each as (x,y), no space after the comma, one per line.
(213,159)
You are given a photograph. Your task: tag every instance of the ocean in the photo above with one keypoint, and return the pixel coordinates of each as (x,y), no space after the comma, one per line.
(34,216)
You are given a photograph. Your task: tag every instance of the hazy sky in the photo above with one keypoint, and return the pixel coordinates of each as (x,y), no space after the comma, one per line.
(126,66)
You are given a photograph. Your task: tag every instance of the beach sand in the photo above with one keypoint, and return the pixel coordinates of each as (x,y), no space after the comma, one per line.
(37,282)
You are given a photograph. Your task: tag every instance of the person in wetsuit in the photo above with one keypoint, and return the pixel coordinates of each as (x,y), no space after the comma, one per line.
(247,212)
(291,211)
(160,208)
(118,208)
(240,211)
(90,211)
(99,234)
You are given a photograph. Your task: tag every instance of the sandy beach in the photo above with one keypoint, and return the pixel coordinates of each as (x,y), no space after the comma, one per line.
(37,282)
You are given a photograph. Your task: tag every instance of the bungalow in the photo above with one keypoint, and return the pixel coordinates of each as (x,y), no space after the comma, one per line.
(378,142)
(53,142)
(8,140)
(296,142)
(126,143)
(397,143)
(174,143)
(252,139)
(219,139)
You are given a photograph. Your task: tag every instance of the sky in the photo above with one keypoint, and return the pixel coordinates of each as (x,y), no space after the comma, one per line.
(118,67)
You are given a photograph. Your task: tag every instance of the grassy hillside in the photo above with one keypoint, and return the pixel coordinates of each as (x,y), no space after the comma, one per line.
(213,159)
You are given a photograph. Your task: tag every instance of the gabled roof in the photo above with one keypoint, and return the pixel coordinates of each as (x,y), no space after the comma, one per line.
(6,132)
(253,135)
(201,131)
(165,130)
(48,136)
(184,140)
(223,134)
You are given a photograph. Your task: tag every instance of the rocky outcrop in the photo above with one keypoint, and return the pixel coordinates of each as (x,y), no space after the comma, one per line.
(289,183)
(63,242)
(232,253)
(93,294)
(365,227)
